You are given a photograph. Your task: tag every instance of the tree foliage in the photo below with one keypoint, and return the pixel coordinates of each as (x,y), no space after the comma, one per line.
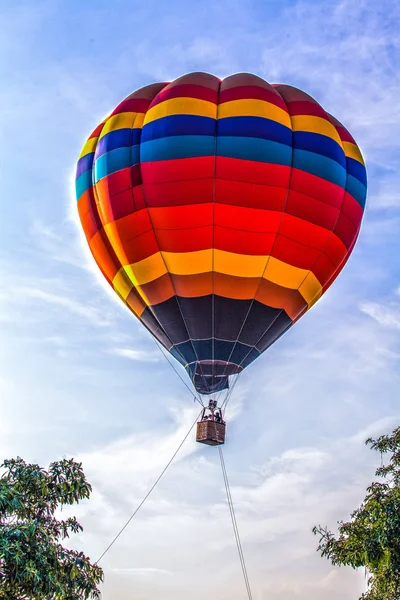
(34,565)
(371,539)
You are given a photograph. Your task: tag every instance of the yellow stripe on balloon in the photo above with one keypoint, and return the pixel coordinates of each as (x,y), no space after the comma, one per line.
(316,125)
(189,263)
(124,282)
(227,263)
(284,274)
(90,146)
(132,301)
(147,270)
(124,120)
(352,151)
(239,265)
(254,108)
(311,289)
(293,278)
(181,106)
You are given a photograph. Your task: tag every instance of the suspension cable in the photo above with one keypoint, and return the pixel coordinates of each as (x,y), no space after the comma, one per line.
(150,490)
(160,347)
(229,394)
(234,523)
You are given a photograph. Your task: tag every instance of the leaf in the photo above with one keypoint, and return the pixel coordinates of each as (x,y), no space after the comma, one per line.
(33,564)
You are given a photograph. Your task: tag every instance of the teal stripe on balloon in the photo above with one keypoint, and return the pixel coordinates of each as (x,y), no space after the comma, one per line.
(83,183)
(356,189)
(177,146)
(321,166)
(111,162)
(256,149)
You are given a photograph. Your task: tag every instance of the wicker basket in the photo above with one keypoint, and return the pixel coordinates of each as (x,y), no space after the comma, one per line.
(211,433)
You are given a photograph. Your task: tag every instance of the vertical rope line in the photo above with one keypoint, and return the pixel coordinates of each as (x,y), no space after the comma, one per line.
(233,516)
(234,523)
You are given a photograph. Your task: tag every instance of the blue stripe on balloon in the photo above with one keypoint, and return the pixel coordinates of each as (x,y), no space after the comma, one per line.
(257,127)
(198,350)
(357,170)
(258,150)
(84,164)
(135,155)
(184,146)
(186,350)
(189,146)
(321,166)
(320,144)
(83,183)
(111,162)
(239,353)
(176,354)
(356,189)
(120,138)
(178,125)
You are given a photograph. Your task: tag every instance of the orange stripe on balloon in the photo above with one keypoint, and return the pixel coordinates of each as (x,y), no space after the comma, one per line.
(276,296)
(236,288)
(103,255)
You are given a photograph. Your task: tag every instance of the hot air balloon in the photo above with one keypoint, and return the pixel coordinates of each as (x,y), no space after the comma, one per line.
(220,211)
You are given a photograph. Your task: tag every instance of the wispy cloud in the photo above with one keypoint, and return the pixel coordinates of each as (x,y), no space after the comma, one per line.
(349,66)
(298,416)
(87,312)
(276,511)
(386,314)
(62,245)
(138,355)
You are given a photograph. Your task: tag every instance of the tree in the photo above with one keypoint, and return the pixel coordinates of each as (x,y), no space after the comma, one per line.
(371,539)
(34,565)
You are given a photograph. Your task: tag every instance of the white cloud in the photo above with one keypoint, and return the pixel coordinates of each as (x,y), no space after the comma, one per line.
(138,355)
(91,313)
(187,518)
(348,66)
(381,426)
(62,245)
(387,315)
(298,416)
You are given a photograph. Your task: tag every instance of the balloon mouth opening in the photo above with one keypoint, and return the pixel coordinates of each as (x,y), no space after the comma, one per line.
(217,368)
(209,376)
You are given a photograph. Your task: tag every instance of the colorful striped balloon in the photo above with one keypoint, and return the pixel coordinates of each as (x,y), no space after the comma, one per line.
(220,211)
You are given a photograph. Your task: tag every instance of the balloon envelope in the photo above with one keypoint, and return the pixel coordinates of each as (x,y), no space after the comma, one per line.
(220,212)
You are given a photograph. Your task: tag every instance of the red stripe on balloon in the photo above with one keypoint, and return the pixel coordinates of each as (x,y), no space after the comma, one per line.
(250,171)
(251,92)
(317,188)
(186,91)
(250,194)
(179,169)
(305,107)
(312,210)
(179,192)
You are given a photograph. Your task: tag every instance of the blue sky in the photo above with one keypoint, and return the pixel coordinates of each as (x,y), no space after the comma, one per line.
(79,377)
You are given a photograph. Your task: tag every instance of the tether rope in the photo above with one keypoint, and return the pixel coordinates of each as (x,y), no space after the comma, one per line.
(233,516)
(234,523)
(150,490)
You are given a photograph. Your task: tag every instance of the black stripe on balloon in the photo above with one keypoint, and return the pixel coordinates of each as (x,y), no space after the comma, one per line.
(262,327)
(229,315)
